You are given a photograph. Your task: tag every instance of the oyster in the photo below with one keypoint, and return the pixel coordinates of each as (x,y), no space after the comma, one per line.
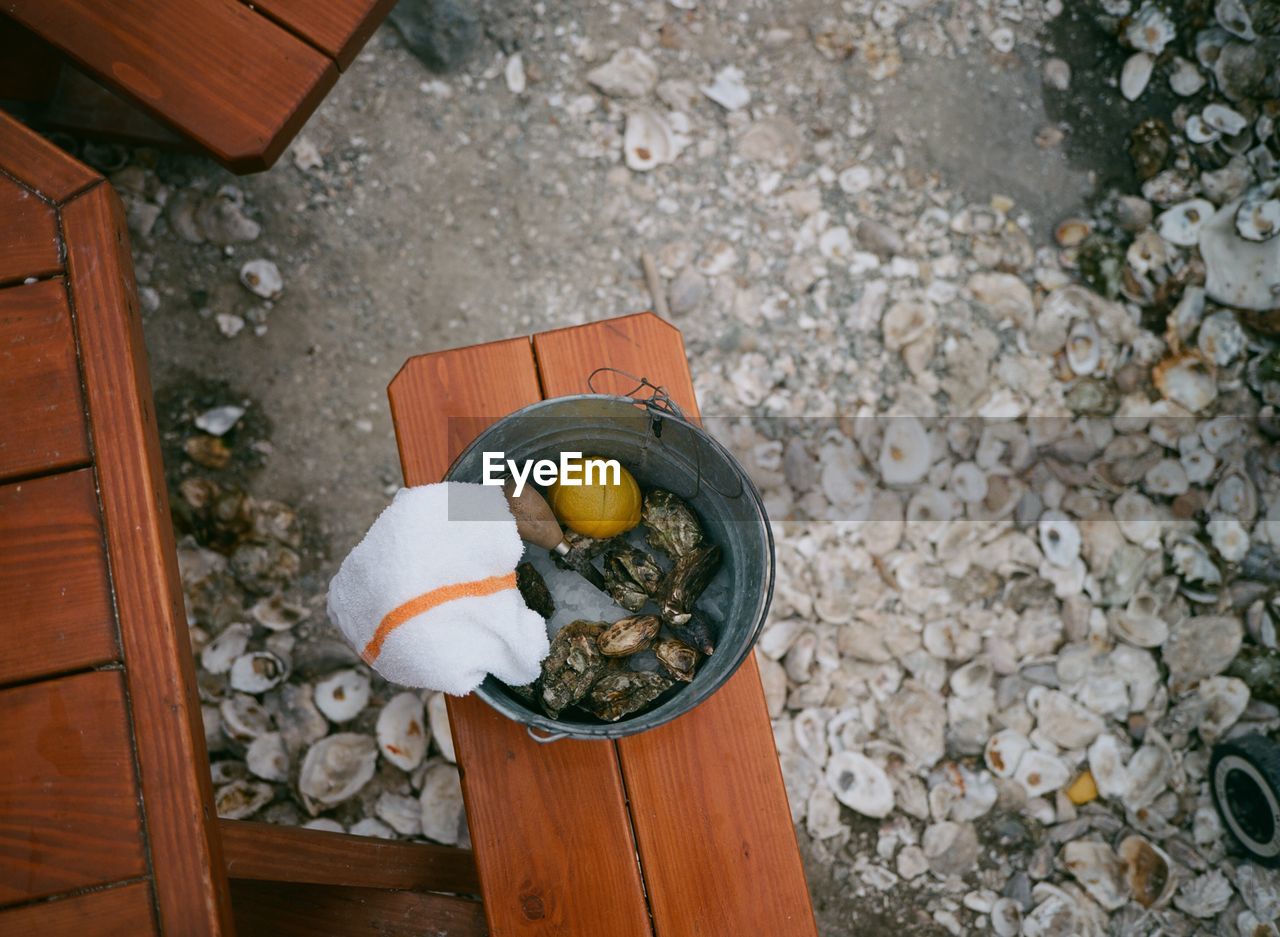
(631,576)
(574,664)
(696,632)
(628,635)
(533,589)
(624,692)
(677,658)
(673,527)
(685,582)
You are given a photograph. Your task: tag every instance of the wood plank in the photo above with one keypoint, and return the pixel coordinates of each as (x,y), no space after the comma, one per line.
(28,235)
(338,28)
(268,852)
(265,909)
(55,600)
(39,165)
(549,824)
(68,798)
(721,857)
(123,911)
(230,79)
(42,425)
(186,852)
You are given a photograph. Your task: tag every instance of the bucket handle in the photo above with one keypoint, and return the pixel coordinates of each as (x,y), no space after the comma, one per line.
(544,739)
(658,402)
(657,398)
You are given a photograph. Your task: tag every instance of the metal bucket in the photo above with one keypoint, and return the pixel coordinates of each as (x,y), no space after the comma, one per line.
(662,450)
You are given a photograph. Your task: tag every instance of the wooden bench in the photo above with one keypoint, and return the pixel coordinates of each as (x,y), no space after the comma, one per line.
(107,823)
(237,79)
(681,830)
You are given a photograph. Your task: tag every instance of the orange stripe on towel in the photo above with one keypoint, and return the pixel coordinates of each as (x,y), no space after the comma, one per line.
(429,600)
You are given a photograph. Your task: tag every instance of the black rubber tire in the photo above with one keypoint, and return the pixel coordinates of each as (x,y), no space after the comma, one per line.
(1244,776)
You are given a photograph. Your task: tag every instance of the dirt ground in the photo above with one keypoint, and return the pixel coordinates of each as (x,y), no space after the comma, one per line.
(449,211)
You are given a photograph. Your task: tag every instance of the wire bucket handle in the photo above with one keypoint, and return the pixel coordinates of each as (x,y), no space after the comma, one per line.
(658,402)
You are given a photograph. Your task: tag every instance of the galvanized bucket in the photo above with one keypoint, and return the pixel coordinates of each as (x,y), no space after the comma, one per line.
(663,450)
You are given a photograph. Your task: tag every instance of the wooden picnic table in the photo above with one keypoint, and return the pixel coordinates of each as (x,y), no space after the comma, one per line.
(105,793)
(238,79)
(681,830)
(107,819)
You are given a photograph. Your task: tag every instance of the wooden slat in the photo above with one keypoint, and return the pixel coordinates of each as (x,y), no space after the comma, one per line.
(232,80)
(55,601)
(338,28)
(123,911)
(28,235)
(710,811)
(189,882)
(549,825)
(39,165)
(268,909)
(68,799)
(42,425)
(268,852)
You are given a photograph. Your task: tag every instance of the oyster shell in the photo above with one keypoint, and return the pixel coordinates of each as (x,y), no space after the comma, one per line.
(1148,870)
(650,140)
(342,695)
(672,525)
(685,582)
(221,653)
(1041,773)
(335,769)
(631,576)
(441,730)
(1181,224)
(401,731)
(1239,272)
(243,718)
(628,635)
(1200,647)
(1136,75)
(860,784)
(262,278)
(277,613)
(623,692)
(631,73)
(444,817)
(697,632)
(677,658)
(574,664)
(267,757)
(1099,870)
(904,452)
(257,672)
(533,589)
(241,799)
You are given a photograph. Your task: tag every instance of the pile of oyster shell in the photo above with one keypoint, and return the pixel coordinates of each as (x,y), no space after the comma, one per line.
(294,721)
(1030,556)
(614,669)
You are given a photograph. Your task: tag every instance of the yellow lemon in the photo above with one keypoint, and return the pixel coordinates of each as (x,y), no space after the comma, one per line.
(598,510)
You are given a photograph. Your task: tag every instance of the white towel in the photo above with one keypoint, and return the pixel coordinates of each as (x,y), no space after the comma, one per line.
(428,597)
